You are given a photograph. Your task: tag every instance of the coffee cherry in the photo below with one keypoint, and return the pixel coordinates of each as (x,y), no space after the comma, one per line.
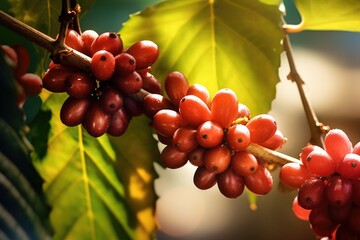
(238,137)
(209,134)
(150,83)
(54,79)
(74,40)
(203,178)
(176,86)
(167,121)
(201,92)
(184,139)
(224,107)
(145,52)
(102,65)
(154,103)
(173,158)
(259,182)
(244,163)
(96,121)
(31,83)
(111,100)
(88,37)
(109,41)
(217,159)
(311,193)
(73,111)
(261,128)
(124,64)
(130,83)
(196,157)
(194,110)
(119,123)
(80,85)
(230,184)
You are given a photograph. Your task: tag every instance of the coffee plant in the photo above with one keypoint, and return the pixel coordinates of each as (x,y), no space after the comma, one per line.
(89,118)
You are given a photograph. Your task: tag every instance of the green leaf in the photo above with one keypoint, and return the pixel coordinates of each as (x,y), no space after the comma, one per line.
(41,14)
(218,44)
(90,194)
(138,150)
(343,15)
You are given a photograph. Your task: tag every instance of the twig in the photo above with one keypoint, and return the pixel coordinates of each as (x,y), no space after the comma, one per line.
(317,129)
(270,156)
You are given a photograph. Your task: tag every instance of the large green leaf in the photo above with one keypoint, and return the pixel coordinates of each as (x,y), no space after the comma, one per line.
(91,196)
(228,43)
(329,15)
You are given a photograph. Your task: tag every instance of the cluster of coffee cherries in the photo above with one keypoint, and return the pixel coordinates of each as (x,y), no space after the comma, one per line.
(328,183)
(212,134)
(101,99)
(27,84)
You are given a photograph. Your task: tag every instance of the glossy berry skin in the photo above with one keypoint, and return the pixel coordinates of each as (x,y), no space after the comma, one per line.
(200,91)
(111,100)
(145,52)
(88,37)
(173,158)
(275,142)
(73,111)
(224,107)
(167,121)
(54,79)
(103,65)
(150,83)
(119,123)
(184,139)
(319,162)
(259,182)
(337,144)
(311,193)
(261,127)
(31,83)
(80,85)
(109,41)
(124,64)
(23,60)
(130,83)
(299,211)
(244,163)
(294,174)
(194,110)
(96,121)
(238,137)
(217,159)
(349,166)
(230,184)
(209,134)
(73,40)
(203,178)
(196,157)
(338,191)
(176,86)
(154,103)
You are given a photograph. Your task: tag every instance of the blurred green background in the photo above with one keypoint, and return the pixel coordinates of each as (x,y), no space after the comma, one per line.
(329,62)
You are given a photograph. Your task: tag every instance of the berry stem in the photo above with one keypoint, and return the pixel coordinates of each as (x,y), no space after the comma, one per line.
(317,129)
(270,156)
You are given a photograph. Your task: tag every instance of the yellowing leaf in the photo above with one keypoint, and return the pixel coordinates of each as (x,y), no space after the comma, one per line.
(329,15)
(219,44)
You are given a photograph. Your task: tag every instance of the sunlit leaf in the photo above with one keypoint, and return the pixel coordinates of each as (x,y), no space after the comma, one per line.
(329,15)
(99,188)
(234,44)
(138,151)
